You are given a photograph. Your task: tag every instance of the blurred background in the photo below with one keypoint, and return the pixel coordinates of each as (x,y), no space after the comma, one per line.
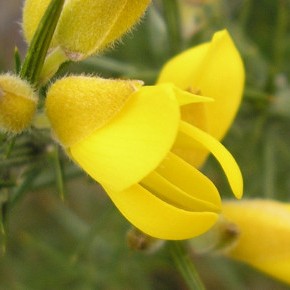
(60,231)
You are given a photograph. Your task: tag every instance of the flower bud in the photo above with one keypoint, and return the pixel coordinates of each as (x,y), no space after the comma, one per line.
(86,104)
(85,26)
(17,104)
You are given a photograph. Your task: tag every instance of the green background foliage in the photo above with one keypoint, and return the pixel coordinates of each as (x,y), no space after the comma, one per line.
(81,242)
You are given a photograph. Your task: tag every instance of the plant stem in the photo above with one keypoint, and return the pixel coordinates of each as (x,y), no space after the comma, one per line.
(279,43)
(17,60)
(59,173)
(34,60)
(185,265)
(2,233)
(173,23)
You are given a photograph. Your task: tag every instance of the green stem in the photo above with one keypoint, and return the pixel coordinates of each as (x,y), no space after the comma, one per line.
(245,13)
(185,265)
(269,160)
(256,95)
(87,239)
(23,187)
(2,233)
(173,23)
(279,43)
(119,67)
(35,57)
(17,60)
(10,147)
(7,183)
(59,173)
(280,36)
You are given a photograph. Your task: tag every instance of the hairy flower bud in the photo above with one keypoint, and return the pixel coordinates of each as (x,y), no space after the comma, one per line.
(85,26)
(86,104)
(17,104)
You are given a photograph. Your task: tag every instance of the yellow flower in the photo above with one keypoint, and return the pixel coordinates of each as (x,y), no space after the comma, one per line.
(122,134)
(17,104)
(215,70)
(264,240)
(85,26)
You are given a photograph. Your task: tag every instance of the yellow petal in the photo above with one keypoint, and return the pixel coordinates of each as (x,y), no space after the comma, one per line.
(158,218)
(189,149)
(189,179)
(214,70)
(174,195)
(134,142)
(185,98)
(223,156)
(183,69)
(265,235)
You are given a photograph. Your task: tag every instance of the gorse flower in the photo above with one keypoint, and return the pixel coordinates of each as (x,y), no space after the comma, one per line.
(264,238)
(85,26)
(127,137)
(129,152)
(17,104)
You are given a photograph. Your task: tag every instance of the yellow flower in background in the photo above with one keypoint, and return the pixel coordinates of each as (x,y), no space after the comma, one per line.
(85,26)
(17,104)
(264,240)
(215,70)
(122,134)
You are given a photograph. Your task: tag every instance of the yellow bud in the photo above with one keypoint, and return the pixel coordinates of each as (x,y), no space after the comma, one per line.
(87,103)
(17,103)
(85,26)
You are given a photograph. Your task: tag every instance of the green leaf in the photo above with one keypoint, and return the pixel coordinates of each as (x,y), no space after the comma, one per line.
(17,60)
